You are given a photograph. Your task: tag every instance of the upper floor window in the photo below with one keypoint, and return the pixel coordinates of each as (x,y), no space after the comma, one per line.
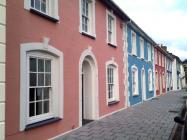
(133,42)
(135,81)
(111,28)
(87,11)
(45,7)
(163,62)
(156,58)
(112,82)
(149,52)
(159,58)
(40,5)
(142,48)
(150,79)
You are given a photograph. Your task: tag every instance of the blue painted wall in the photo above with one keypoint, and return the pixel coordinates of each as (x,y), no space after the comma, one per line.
(139,63)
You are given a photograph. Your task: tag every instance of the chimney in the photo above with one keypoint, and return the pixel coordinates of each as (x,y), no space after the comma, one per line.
(164,47)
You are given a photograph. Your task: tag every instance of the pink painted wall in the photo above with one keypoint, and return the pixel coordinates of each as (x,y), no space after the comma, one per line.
(160,68)
(25,27)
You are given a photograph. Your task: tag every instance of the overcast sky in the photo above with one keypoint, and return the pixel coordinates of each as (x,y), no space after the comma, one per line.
(165,21)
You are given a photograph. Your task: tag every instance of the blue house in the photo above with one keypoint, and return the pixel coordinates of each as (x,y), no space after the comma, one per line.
(140,64)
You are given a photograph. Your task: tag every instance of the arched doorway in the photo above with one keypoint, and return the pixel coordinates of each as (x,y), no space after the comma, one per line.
(143,85)
(88,92)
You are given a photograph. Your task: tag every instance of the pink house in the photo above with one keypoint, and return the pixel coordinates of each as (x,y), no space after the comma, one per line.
(64,65)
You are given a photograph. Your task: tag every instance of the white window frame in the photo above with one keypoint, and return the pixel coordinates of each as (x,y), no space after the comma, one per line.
(142,48)
(114,34)
(41,117)
(91,17)
(52,9)
(133,43)
(163,60)
(57,84)
(156,57)
(160,59)
(136,91)
(149,51)
(150,79)
(114,65)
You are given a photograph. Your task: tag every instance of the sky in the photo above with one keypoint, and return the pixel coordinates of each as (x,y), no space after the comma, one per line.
(165,21)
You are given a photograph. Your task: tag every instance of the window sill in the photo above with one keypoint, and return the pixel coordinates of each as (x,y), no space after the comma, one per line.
(135,95)
(42,123)
(134,55)
(112,45)
(88,35)
(113,102)
(43,15)
(142,58)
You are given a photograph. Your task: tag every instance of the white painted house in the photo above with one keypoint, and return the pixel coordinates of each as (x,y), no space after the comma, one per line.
(2,66)
(176,73)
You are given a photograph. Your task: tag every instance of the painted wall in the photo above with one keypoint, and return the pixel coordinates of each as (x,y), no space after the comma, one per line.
(139,63)
(169,74)
(174,74)
(24,27)
(2,66)
(160,69)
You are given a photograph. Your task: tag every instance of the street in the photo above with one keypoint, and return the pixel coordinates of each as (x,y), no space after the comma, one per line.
(150,120)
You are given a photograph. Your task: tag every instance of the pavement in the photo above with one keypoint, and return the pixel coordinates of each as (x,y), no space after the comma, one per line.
(150,120)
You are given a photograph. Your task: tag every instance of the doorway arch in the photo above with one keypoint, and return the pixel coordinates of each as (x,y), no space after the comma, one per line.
(88,88)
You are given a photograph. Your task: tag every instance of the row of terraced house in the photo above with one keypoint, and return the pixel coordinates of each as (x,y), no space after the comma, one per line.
(64,63)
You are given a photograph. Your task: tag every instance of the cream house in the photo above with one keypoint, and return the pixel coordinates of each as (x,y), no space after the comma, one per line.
(2,67)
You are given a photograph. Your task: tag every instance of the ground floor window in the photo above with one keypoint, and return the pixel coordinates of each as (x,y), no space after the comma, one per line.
(135,90)
(150,79)
(112,82)
(41,83)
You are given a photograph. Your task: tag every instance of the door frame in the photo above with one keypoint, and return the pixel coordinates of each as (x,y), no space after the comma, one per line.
(89,56)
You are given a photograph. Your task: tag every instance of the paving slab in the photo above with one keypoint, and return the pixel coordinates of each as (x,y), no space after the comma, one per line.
(149,120)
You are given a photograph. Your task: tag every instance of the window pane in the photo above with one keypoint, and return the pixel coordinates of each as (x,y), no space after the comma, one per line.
(37,4)
(46,93)
(39,94)
(32,79)
(32,3)
(46,106)
(48,65)
(33,64)
(47,79)
(43,6)
(38,108)
(40,65)
(32,94)
(31,110)
(40,79)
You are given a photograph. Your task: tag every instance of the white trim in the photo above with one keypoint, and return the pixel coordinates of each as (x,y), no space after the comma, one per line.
(89,53)
(116,81)
(150,86)
(143,84)
(114,40)
(142,54)
(26,47)
(136,79)
(133,43)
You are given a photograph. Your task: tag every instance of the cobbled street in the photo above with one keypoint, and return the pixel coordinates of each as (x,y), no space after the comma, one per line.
(151,120)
